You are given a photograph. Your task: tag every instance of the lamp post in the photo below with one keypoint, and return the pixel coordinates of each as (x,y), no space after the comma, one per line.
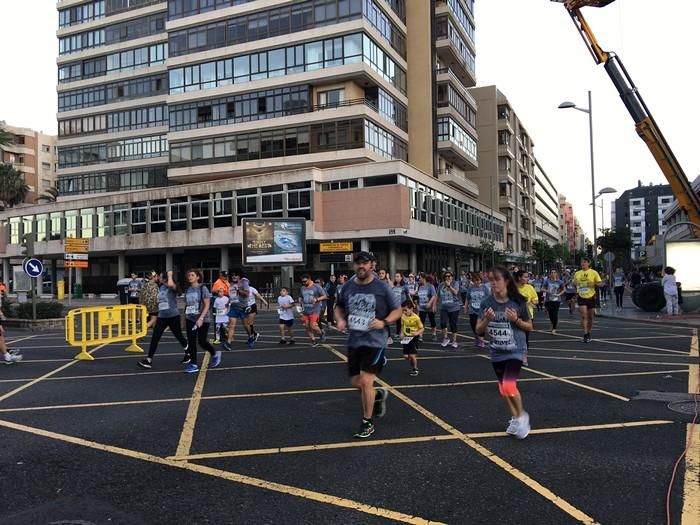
(589,111)
(602,192)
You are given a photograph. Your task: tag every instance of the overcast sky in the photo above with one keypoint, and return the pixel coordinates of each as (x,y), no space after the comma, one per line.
(528,48)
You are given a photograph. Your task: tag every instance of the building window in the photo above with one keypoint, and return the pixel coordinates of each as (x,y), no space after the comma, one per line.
(159,213)
(333,97)
(223,209)
(86,222)
(56,219)
(200,212)
(178,214)
(246,205)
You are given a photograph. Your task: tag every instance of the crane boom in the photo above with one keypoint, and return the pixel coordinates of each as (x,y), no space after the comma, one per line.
(645,124)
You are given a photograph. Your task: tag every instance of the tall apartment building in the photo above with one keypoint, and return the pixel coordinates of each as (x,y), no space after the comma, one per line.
(506,168)
(568,224)
(641,209)
(33,153)
(546,207)
(179,119)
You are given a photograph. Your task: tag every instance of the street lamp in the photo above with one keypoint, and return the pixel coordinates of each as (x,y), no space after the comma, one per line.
(602,192)
(589,111)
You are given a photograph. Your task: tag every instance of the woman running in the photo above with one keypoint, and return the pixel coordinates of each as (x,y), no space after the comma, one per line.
(198,302)
(619,283)
(168,317)
(476,293)
(528,292)
(553,289)
(505,319)
(149,297)
(450,305)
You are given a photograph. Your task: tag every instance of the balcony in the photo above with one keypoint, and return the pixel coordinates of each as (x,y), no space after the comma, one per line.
(452,76)
(453,51)
(458,179)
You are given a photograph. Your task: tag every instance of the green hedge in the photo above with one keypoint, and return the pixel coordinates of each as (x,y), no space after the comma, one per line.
(52,310)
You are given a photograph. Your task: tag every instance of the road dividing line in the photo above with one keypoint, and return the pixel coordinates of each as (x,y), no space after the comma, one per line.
(38,379)
(185,444)
(23,339)
(507,467)
(580,385)
(691,481)
(609,341)
(398,441)
(230,476)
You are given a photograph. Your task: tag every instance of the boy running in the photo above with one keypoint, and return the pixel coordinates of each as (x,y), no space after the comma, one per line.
(286,313)
(411,330)
(221,310)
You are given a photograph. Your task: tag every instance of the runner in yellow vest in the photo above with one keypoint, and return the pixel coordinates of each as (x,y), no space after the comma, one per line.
(586,281)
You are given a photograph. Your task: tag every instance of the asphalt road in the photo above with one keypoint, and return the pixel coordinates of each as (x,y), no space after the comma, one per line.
(267,437)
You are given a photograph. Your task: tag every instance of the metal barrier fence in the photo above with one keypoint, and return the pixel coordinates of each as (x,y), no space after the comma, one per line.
(99,325)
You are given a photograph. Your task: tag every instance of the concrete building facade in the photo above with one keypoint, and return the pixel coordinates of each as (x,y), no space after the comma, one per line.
(181,116)
(33,153)
(546,208)
(506,169)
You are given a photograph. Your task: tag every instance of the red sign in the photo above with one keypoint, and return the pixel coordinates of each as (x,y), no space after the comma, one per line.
(76,264)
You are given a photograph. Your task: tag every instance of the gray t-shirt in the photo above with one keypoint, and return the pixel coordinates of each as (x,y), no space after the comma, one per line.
(552,290)
(401,292)
(308,294)
(135,287)
(194,303)
(448,301)
(238,301)
(425,294)
(362,303)
(475,296)
(506,341)
(167,302)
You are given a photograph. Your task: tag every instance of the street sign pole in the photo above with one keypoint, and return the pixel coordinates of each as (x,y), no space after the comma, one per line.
(70,285)
(33,298)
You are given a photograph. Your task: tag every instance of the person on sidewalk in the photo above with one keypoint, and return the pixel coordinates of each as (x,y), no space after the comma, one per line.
(366,307)
(670,290)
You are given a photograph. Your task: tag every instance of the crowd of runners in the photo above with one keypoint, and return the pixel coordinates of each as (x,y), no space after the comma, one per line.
(375,312)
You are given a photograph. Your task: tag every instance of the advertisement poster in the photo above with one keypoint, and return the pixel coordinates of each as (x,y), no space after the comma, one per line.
(274,241)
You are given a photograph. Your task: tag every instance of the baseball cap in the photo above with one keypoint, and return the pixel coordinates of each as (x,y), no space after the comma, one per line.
(363,256)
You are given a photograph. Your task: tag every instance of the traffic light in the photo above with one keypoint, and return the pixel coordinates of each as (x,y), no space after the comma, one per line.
(28,245)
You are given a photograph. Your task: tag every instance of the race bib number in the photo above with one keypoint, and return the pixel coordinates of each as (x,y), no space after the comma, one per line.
(406,340)
(221,311)
(165,305)
(583,290)
(359,323)
(501,335)
(192,310)
(362,310)
(476,305)
(280,311)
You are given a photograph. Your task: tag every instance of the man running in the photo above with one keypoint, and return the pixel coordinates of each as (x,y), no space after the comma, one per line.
(569,291)
(586,281)
(367,307)
(312,297)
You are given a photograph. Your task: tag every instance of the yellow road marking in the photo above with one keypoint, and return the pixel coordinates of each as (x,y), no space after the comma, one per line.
(596,340)
(691,480)
(580,385)
(507,467)
(183,447)
(49,374)
(230,476)
(398,441)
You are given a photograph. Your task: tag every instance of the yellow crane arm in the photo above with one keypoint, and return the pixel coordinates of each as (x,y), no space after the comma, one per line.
(646,127)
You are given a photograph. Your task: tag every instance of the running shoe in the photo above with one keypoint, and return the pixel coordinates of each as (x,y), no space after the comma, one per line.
(455,344)
(291,342)
(185,360)
(282,342)
(554,331)
(323,336)
(445,342)
(380,402)
(512,426)
(11,359)
(256,336)
(251,342)
(13,351)
(413,372)
(191,369)
(366,430)
(523,426)
(227,345)
(216,342)
(314,342)
(216,360)
(389,341)
(146,363)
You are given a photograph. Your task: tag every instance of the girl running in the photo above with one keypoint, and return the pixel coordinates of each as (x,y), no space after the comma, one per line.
(198,302)
(504,316)
(476,293)
(553,289)
(168,317)
(400,290)
(221,310)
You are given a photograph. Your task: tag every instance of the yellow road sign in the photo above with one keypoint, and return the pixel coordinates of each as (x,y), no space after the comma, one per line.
(335,247)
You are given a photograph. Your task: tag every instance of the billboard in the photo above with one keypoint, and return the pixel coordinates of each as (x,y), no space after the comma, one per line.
(684,256)
(274,242)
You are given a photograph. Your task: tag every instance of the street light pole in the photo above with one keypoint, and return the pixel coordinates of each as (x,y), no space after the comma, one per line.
(590,131)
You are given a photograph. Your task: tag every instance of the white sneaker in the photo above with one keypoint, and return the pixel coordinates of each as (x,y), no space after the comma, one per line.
(512,426)
(523,428)
(455,344)
(389,341)
(554,331)
(11,359)
(445,342)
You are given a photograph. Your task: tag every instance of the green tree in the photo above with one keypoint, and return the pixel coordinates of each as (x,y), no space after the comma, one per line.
(561,252)
(544,254)
(617,241)
(50,196)
(6,138)
(490,255)
(13,189)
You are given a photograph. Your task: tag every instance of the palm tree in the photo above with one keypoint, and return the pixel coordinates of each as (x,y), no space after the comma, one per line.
(50,195)
(13,189)
(6,138)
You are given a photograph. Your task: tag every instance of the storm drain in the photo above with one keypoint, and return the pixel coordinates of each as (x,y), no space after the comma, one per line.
(684,407)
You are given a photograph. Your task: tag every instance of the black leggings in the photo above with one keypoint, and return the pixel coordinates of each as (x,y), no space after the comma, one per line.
(197,336)
(430,315)
(553,311)
(449,318)
(619,295)
(540,301)
(473,318)
(161,324)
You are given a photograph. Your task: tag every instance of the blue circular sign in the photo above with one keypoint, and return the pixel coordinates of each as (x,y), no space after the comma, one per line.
(33,267)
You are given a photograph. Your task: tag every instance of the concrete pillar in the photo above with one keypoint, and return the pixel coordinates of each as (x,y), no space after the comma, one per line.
(452,260)
(168,260)
(224,265)
(6,272)
(392,260)
(79,276)
(121,265)
(364,245)
(413,259)
(39,285)
(287,277)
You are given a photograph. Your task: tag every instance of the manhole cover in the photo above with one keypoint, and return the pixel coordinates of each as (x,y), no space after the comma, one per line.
(684,407)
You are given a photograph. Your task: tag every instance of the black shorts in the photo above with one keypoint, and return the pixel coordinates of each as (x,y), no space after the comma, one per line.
(569,295)
(134,300)
(411,348)
(510,369)
(590,302)
(253,309)
(365,359)
(287,322)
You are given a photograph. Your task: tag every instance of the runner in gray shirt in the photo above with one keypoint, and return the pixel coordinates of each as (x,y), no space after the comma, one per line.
(366,307)
(311,300)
